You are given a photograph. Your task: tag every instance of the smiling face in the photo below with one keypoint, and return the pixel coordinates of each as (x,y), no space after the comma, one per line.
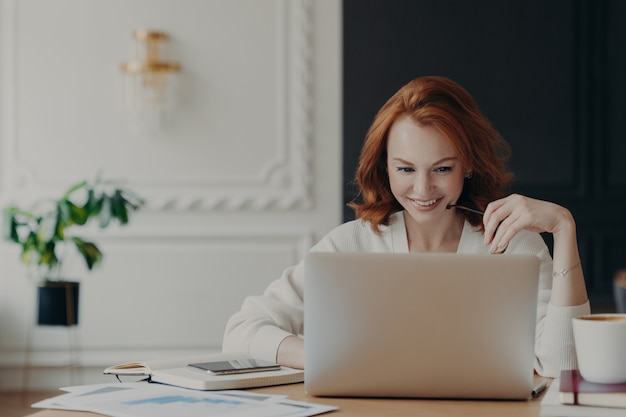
(425,173)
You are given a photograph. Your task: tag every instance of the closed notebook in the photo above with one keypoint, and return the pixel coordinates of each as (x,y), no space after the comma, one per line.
(192,378)
(174,371)
(575,390)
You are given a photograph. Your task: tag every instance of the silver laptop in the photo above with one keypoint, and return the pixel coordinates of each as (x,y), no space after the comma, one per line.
(420,325)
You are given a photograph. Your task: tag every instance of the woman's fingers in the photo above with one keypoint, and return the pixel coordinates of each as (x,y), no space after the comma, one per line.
(506,217)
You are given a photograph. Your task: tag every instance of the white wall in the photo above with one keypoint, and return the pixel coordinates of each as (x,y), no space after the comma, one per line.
(245,179)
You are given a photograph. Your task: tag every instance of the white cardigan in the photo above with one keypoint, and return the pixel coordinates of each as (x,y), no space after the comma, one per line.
(264,321)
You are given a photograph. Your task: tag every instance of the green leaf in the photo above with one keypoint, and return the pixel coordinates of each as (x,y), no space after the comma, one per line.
(31,243)
(63,212)
(118,207)
(89,250)
(48,255)
(73,214)
(59,230)
(93,204)
(9,227)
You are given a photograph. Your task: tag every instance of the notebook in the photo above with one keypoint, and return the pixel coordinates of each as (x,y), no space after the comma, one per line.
(420,325)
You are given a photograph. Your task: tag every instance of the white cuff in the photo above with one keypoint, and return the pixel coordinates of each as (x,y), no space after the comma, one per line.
(265,343)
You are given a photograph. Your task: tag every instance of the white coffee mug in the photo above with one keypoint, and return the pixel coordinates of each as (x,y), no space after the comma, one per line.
(600,341)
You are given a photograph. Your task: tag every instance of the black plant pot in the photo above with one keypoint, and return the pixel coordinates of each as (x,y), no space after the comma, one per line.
(58,303)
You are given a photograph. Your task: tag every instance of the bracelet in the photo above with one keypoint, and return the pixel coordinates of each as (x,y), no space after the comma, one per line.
(564,271)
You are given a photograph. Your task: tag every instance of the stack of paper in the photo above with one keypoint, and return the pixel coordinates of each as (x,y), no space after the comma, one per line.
(141,399)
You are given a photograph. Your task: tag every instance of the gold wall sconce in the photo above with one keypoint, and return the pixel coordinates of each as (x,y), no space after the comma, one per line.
(150,85)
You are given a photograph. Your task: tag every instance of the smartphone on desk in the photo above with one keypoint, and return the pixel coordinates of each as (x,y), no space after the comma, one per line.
(239,366)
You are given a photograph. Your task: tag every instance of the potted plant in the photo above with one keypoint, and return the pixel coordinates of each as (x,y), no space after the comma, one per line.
(45,242)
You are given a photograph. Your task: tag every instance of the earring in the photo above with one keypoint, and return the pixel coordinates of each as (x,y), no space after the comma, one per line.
(469,175)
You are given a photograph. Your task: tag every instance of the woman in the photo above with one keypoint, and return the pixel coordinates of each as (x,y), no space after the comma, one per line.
(429,149)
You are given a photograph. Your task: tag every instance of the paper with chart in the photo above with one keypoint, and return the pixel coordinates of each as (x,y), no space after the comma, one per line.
(155,400)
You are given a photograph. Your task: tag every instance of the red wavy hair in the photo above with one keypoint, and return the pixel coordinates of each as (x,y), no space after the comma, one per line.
(443,104)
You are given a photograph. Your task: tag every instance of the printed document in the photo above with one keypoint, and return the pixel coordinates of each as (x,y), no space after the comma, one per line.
(154,400)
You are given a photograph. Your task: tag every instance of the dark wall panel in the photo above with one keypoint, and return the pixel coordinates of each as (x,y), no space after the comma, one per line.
(549,76)
(616,99)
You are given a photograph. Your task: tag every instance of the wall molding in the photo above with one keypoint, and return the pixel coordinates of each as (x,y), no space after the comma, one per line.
(283,182)
(48,344)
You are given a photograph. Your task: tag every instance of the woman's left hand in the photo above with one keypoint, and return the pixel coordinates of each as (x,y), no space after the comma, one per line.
(505,217)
